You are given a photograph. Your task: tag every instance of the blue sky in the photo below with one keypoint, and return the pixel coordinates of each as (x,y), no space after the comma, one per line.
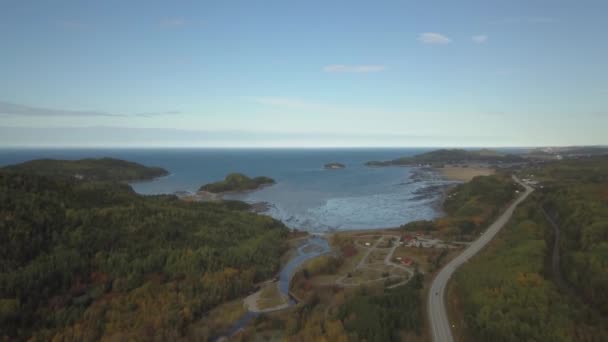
(303,73)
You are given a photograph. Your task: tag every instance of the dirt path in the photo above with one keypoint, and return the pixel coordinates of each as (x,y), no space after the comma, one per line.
(555,263)
(387,261)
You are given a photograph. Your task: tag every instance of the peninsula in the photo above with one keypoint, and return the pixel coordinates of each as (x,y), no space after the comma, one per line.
(450,156)
(90,169)
(237,182)
(76,253)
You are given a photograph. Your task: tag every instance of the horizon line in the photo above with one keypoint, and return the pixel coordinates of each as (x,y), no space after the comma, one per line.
(249,147)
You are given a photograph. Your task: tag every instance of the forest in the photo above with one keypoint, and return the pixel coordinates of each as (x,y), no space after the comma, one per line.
(334,314)
(509,292)
(575,194)
(85,260)
(102,169)
(470,207)
(237,182)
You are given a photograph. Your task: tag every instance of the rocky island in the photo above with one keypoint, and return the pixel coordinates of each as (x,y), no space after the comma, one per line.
(334,166)
(236,182)
(90,169)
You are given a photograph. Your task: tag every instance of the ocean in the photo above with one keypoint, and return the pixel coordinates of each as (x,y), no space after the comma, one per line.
(306,196)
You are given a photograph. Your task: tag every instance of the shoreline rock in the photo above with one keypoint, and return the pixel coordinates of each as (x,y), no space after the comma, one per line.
(260,207)
(334,166)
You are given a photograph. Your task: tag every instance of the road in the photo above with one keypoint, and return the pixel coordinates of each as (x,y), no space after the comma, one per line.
(555,263)
(440,326)
(387,261)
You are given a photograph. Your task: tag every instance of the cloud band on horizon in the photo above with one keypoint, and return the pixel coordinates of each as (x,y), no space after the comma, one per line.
(13,109)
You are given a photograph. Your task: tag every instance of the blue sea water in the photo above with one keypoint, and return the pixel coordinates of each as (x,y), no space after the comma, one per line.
(306,196)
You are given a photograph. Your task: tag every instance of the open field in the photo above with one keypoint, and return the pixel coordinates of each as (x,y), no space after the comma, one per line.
(465,174)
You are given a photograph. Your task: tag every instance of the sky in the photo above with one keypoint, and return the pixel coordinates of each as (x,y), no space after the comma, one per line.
(303,73)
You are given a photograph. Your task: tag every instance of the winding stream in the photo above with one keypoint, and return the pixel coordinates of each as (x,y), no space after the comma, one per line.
(314,246)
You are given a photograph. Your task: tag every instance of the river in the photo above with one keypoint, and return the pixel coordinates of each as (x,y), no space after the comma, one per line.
(314,246)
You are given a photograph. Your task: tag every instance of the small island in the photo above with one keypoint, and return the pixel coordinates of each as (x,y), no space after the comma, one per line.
(334,166)
(236,182)
(90,169)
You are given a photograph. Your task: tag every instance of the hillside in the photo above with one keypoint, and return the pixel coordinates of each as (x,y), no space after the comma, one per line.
(511,291)
(575,194)
(236,182)
(91,260)
(450,156)
(103,169)
(471,206)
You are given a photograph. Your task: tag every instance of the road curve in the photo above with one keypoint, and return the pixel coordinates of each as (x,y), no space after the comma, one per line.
(440,326)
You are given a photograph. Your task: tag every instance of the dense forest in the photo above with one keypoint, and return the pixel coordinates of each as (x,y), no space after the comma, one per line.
(237,182)
(575,194)
(451,156)
(85,260)
(334,314)
(471,206)
(382,317)
(509,292)
(102,169)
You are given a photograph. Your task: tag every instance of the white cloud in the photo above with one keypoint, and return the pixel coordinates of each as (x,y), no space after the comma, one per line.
(479,38)
(433,38)
(173,22)
(354,68)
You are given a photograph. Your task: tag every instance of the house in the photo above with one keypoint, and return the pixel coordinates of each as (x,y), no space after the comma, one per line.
(407,238)
(407,262)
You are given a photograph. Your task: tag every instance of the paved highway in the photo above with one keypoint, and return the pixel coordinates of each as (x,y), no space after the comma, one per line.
(440,326)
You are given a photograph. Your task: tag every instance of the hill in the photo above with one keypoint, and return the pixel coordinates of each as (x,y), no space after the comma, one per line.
(93,260)
(236,182)
(515,289)
(450,156)
(103,169)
